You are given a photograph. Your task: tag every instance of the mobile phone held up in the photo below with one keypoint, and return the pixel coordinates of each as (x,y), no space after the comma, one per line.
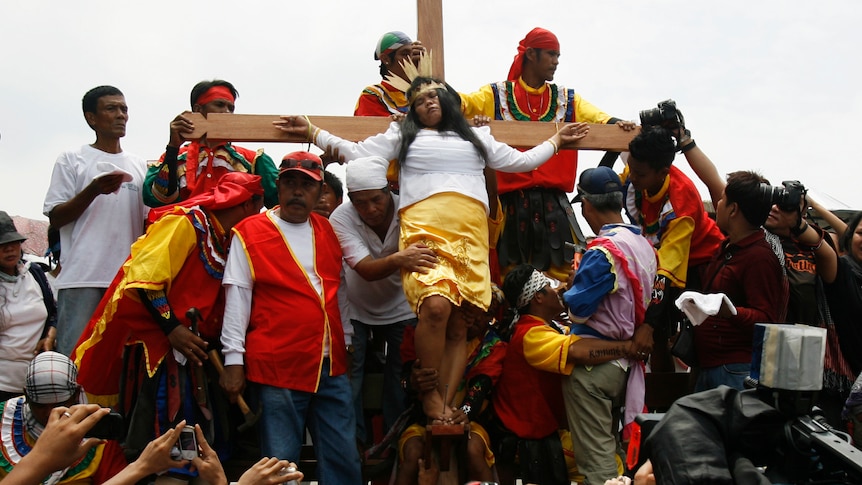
(188,443)
(110,427)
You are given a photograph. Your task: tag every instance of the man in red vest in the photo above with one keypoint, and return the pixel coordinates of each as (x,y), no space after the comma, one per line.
(282,326)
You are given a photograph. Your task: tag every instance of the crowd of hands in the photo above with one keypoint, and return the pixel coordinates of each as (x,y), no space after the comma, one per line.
(63,443)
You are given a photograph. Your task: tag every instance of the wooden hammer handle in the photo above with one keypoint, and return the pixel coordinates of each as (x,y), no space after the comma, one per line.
(215,358)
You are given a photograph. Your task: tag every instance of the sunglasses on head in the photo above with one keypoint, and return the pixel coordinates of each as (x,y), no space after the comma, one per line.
(306,164)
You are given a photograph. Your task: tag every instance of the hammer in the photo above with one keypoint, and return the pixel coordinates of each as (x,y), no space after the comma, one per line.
(249,417)
(194,316)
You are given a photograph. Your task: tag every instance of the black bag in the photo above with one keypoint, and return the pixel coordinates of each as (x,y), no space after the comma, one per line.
(683,344)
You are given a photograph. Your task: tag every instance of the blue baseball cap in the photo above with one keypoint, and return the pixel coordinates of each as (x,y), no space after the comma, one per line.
(599,180)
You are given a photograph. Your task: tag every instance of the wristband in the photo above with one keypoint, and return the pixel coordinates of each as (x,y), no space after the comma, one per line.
(171,153)
(688,147)
(821,236)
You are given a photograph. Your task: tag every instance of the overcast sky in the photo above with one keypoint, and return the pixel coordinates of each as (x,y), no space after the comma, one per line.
(765,85)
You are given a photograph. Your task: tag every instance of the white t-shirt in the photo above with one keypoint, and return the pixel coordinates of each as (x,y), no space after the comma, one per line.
(440,162)
(24,316)
(94,246)
(380,302)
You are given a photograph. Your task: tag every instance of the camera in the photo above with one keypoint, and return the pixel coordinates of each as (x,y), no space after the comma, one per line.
(188,443)
(285,471)
(665,115)
(110,427)
(788,196)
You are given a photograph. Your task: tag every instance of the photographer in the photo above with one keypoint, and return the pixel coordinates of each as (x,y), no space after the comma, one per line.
(804,256)
(668,208)
(50,385)
(748,273)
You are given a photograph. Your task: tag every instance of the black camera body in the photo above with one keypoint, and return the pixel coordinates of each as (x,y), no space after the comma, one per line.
(665,115)
(110,427)
(788,196)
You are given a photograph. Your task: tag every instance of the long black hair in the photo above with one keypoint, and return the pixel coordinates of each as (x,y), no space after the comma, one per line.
(847,239)
(452,119)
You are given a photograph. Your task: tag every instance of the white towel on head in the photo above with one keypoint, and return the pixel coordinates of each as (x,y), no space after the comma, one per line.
(367,173)
(698,306)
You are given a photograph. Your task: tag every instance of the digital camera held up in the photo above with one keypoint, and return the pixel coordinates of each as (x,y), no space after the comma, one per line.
(789,195)
(665,115)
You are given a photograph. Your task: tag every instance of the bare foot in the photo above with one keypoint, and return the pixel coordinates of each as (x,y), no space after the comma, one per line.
(432,405)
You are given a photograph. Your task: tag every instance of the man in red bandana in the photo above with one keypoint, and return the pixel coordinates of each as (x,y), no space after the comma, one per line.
(190,170)
(538,214)
(137,353)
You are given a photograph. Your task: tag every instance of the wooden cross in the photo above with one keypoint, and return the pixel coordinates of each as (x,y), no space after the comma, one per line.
(258,128)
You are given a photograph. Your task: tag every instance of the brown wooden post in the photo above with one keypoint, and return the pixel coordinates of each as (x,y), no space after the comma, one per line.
(430,31)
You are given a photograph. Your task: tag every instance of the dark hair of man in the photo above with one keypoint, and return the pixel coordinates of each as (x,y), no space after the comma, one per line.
(513,284)
(91,99)
(203,86)
(654,146)
(384,71)
(527,58)
(385,190)
(847,238)
(610,202)
(334,183)
(452,119)
(753,197)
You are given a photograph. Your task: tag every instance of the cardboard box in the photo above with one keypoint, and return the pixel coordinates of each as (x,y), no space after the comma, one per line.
(787,356)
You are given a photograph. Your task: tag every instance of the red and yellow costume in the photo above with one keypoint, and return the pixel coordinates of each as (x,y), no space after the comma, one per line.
(178,264)
(216,162)
(528,399)
(535,206)
(674,221)
(381,100)
(182,255)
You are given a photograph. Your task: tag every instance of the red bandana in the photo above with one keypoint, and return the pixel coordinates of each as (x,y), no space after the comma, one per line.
(214,93)
(233,188)
(538,38)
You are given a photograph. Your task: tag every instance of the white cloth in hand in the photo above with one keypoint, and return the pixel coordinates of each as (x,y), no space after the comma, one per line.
(698,306)
(108,168)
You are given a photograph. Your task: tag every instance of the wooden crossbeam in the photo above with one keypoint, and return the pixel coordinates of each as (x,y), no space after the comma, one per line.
(258,128)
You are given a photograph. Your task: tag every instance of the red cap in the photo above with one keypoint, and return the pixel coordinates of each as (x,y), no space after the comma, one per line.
(305,162)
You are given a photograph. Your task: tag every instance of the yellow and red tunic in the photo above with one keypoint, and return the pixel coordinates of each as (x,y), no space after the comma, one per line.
(515,100)
(182,255)
(381,100)
(676,224)
(528,398)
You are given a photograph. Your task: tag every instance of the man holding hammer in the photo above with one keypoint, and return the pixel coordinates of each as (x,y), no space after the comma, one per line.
(163,311)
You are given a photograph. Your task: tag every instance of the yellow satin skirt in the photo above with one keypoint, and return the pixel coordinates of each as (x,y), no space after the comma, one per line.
(456,228)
